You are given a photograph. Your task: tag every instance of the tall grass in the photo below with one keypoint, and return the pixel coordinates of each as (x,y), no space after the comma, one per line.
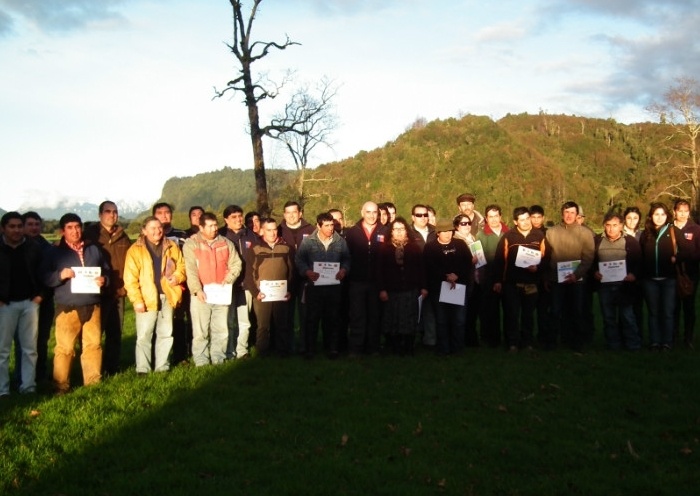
(487,422)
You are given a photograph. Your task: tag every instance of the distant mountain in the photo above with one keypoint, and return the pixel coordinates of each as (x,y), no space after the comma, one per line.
(88,211)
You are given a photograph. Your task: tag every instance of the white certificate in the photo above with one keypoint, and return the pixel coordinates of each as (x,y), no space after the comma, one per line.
(527,257)
(327,272)
(218,294)
(454,296)
(478,249)
(84,280)
(566,268)
(613,271)
(273,290)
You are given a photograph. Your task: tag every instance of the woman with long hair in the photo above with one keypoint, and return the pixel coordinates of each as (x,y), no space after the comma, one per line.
(401,280)
(660,253)
(690,241)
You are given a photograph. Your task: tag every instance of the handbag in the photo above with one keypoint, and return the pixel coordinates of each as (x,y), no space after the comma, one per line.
(684,284)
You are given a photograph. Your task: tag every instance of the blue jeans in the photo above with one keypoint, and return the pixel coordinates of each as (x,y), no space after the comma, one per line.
(23,317)
(660,295)
(209,332)
(618,300)
(160,321)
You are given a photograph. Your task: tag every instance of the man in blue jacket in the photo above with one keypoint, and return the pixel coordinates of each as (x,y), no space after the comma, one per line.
(77,271)
(323,260)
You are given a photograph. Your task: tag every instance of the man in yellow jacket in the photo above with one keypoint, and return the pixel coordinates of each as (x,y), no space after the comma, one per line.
(153,274)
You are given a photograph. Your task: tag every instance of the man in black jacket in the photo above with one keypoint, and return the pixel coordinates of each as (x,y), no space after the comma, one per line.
(20,295)
(364,241)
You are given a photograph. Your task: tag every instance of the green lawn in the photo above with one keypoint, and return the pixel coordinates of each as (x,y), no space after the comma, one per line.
(484,423)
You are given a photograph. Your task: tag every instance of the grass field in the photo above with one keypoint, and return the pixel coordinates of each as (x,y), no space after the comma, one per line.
(487,422)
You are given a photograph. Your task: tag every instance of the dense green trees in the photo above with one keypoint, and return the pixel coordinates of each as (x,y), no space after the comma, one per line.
(517,160)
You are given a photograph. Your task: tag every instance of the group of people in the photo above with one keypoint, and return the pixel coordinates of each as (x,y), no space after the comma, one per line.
(210,293)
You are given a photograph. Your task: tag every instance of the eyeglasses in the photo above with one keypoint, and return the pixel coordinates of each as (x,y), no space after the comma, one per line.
(465,223)
(421,215)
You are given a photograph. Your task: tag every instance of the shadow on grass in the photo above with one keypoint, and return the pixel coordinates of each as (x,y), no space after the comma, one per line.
(483,423)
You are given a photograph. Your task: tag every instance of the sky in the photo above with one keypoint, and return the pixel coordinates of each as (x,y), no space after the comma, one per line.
(108,99)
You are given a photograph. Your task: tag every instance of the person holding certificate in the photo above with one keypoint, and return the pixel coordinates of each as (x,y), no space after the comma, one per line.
(77,271)
(571,258)
(618,267)
(449,272)
(212,265)
(323,259)
(519,263)
(269,278)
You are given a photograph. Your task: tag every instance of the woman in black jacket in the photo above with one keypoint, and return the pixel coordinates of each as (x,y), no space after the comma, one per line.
(660,253)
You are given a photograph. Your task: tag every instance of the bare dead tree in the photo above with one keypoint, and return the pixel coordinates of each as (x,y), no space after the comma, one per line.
(247,52)
(680,110)
(306,122)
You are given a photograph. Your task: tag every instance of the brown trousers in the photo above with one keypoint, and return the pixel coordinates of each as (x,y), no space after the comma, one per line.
(71,322)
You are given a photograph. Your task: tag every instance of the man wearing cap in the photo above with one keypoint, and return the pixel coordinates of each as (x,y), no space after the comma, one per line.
(448,260)
(466,202)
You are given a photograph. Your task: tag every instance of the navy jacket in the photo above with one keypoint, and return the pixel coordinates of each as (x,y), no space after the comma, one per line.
(63,256)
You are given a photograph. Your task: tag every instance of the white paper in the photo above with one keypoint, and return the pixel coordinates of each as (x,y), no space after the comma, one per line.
(613,271)
(454,296)
(566,268)
(327,272)
(84,280)
(527,257)
(218,294)
(273,290)
(478,249)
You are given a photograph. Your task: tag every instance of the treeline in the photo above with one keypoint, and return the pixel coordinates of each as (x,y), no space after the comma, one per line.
(519,159)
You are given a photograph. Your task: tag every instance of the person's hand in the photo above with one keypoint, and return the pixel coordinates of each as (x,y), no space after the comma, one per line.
(139,308)
(67,273)
(383,296)
(312,276)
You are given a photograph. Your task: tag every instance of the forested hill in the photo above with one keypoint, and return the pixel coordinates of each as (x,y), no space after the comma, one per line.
(517,160)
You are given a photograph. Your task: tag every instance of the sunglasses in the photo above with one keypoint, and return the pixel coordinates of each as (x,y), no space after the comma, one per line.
(465,223)
(421,215)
